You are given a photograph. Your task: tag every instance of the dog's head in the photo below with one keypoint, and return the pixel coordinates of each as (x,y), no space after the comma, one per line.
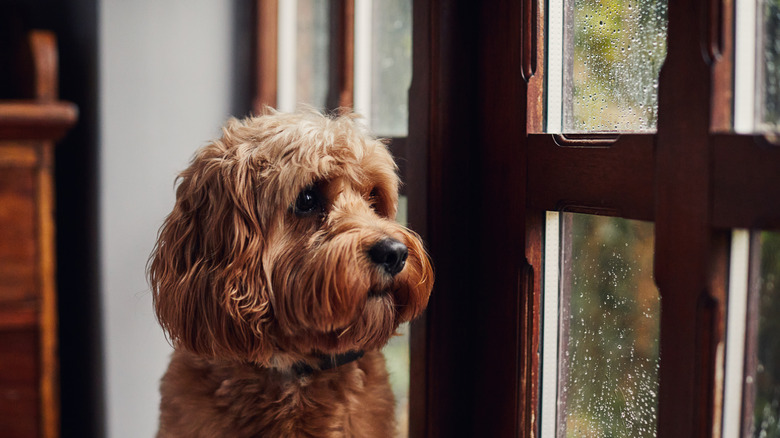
(283,241)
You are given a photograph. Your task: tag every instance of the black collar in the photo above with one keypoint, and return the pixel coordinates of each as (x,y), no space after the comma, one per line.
(326,362)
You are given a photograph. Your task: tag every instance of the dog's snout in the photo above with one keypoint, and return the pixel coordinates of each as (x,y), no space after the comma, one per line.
(390,254)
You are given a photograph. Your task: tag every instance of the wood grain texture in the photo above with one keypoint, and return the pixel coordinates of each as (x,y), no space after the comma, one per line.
(18,236)
(420,91)
(19,397)
(530,328)
(266,57)
(341,89)
(500,197)
(721,23)
(43,45)
(29,378)
(49,365)
(23,120)
(481,174)
(535,92)
(682,226)
(745,182)
(618,177)
(442,135)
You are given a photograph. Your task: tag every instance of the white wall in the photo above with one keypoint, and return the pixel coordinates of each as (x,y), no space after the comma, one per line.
(165,72)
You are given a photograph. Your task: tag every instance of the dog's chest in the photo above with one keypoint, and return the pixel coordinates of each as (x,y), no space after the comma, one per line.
(348,402)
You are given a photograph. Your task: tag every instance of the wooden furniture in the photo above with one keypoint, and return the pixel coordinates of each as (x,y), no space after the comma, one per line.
(29,399)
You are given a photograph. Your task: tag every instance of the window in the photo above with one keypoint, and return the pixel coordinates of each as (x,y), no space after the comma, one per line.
(752,390)
(762,395)
(490,109)
(676,204)
(602,309)
(601,377)
(757,83)
(331,54)
(604,58)
(505,129)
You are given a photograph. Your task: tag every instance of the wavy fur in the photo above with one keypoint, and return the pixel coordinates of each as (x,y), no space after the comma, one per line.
(245,286)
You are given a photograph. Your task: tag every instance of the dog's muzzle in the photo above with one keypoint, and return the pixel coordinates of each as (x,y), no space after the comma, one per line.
(390,255)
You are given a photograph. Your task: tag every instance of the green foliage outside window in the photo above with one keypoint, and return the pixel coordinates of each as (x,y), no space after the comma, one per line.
(619,48)
(766,410)
(611,352)
(771,65)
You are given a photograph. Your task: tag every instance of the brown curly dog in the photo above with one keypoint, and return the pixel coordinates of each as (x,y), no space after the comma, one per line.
(278,277)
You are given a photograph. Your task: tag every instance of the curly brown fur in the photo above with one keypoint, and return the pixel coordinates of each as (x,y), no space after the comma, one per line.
(249,282)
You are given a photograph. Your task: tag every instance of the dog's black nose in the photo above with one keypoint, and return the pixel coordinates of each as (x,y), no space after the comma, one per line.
(390,254)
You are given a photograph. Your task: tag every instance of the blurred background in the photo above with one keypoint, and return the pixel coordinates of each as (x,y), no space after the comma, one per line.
(153,81)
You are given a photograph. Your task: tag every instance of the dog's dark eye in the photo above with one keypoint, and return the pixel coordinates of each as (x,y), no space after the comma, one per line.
(308,202)
(373,196)
(375,201)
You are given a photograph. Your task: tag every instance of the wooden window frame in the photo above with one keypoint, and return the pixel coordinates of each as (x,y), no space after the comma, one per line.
(480,175)
(341,87)
(342,54)
(693,179)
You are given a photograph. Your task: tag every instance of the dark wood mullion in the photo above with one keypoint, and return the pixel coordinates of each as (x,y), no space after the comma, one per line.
(397,147)
(616,180)
(266,56)
(715,347)
(745,182)
(443,156)
(721,17)
(683,234)
(531,336)
(420,102)
(501,303)
(745,170)
(341,93)
(534,21)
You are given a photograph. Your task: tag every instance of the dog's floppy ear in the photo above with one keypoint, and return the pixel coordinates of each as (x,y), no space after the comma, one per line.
(206,272)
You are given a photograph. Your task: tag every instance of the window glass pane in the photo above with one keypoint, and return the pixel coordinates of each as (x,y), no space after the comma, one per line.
(770,65)
(383,70)
(609,328)
(313,42)
(763,364)
(397,358)
(613,53)
(391,66)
